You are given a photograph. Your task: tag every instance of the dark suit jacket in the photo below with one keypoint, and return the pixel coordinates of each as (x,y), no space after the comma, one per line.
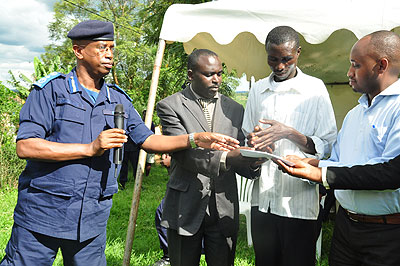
(194,172)
(366,177)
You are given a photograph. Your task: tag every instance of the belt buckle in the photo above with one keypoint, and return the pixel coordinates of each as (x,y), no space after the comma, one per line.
(349,214)
(353,219)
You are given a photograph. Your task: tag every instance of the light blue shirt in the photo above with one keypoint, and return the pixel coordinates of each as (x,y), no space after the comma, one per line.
(369,135)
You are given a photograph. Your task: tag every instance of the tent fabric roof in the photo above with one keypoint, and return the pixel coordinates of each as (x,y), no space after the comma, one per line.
(236,31)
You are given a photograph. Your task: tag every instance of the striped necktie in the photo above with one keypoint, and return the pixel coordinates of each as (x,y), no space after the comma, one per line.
(204,104)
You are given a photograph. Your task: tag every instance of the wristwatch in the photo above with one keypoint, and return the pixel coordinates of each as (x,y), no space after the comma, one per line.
(191,140)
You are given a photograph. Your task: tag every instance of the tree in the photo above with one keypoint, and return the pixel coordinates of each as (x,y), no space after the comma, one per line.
(132,58)
(137,26)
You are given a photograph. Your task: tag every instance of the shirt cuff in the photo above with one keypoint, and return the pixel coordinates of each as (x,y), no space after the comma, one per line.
(324,182)
(319,146)
(222,162)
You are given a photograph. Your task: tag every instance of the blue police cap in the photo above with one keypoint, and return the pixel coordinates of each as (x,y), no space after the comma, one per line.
(94,30)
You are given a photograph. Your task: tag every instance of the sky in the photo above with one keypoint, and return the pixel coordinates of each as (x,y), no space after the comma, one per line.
(23,34)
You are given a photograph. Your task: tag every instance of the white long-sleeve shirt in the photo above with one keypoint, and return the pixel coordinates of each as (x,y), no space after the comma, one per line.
(303,103)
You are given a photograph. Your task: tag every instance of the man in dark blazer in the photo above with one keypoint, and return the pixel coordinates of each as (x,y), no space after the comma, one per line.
(201,199)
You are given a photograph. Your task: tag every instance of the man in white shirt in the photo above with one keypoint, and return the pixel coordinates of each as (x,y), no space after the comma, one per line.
(290,112)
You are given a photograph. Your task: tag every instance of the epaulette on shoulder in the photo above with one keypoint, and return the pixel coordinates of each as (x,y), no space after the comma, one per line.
(117,88)
(46,79)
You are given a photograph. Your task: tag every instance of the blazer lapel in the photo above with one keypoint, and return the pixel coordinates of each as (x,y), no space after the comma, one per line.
(220,122)
(191,104)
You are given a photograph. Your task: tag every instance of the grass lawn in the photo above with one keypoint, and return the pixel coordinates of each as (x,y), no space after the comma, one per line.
(146,245)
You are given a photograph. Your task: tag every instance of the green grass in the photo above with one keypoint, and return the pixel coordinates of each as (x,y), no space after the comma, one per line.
(145,245)
(7,203)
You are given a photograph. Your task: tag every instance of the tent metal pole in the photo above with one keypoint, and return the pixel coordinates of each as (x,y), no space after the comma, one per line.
(142,155)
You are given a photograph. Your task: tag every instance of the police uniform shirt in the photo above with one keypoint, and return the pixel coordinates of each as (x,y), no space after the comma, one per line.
(70,199)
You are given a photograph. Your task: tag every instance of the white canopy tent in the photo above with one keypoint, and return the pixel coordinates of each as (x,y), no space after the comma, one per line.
(236,31)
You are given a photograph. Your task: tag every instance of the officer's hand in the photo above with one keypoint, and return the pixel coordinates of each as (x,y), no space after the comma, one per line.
(215,141)
(108,139)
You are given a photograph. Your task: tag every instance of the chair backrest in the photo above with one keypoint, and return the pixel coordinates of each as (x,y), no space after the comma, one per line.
(245,187)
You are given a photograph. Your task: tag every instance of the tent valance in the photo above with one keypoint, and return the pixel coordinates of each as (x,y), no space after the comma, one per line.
(236,31)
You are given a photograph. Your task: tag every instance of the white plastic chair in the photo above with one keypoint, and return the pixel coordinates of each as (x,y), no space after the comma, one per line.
(319,246)
(245,187)
(319,240)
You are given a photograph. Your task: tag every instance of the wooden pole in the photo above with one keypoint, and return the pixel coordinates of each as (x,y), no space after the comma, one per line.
(142,155)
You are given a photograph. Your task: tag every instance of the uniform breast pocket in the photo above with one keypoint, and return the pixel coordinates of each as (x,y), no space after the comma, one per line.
(110,118)
(69,122)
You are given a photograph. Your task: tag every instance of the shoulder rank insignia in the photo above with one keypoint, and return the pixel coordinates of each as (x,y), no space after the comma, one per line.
(117,88)
(46,79)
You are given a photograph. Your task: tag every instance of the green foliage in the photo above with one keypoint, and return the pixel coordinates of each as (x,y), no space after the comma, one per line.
(241,98)
(137,27)
(19,86)
(173,69)
(10,165)
(44,68)
(22,85)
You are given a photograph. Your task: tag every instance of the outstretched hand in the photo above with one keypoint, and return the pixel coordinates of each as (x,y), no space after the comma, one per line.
(215,141)
(301,169)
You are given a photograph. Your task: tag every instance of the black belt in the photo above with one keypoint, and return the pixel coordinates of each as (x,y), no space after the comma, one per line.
(393,218)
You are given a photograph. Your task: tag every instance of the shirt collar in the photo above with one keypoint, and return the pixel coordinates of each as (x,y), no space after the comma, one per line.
(198,96)
(75,86)
(286,85)
(393,89)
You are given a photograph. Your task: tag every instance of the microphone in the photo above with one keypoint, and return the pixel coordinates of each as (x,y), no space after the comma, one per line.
(119,123)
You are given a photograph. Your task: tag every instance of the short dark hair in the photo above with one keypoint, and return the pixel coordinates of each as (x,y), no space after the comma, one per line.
(283,34)
(385,43)
(194,57)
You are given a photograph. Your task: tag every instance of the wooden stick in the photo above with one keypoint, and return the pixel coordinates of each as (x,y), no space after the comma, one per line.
(142,155)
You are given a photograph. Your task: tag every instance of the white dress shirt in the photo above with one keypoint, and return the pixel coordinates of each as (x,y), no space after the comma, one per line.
(369,135)
(303,103)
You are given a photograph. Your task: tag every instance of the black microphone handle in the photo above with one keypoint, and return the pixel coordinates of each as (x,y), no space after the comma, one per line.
(119,123)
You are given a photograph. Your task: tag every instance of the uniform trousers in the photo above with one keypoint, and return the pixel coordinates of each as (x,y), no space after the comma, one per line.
(283,241)
(364,244)
(219,250)
(161,230)
(27,248)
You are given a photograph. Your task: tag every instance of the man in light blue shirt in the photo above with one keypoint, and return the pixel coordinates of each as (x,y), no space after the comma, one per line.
(368,222)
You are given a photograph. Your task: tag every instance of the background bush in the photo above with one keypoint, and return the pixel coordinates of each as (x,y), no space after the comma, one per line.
(10,165)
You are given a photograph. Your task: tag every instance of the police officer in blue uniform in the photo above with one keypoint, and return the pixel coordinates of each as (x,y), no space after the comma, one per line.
(66,133)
